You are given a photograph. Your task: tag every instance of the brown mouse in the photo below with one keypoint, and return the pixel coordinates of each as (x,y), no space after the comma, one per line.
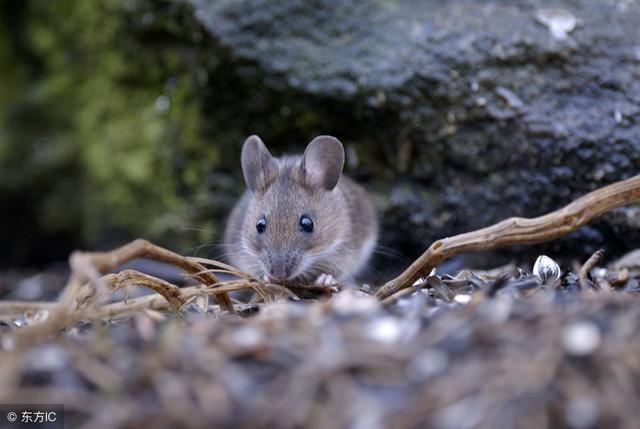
(300,220)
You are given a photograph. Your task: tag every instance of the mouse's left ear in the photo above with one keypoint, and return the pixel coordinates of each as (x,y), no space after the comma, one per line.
(322,162)
(258,166)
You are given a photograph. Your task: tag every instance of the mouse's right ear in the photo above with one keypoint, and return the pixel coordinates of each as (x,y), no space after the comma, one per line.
(322,162)
(258,166)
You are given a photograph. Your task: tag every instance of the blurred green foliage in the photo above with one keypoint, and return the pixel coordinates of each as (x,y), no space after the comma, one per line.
(124,119)
(102,126)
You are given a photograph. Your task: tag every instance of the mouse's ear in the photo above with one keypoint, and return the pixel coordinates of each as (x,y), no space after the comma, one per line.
(322,162)
(258,166)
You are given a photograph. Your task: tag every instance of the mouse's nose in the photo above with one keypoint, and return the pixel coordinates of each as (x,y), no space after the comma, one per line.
(279,270)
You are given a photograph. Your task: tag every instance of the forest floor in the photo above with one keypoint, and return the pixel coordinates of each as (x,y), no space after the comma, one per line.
(500,348)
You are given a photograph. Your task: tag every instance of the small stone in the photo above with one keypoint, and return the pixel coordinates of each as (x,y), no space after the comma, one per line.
(480,101)
(581,338)
(7,343)
(30,288)
(559,22)
(248,337)
(428,364)
(617,116)
(385,330)
(47,358)
(351,302)
(581,412)
(462,298)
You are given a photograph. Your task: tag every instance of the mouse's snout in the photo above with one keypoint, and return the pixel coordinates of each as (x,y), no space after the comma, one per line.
(279,271)
(281,267)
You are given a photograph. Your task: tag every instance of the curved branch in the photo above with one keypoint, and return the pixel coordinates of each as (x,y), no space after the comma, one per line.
(105,262)
(519,231)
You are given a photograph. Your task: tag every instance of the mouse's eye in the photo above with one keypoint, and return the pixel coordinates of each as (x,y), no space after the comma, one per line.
(261,225)
(306,224)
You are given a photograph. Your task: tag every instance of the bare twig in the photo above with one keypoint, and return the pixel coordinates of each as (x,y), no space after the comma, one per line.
(61,315)
(398,296)
(19,307)
(159,302)
(166,298)
(221,265)
(172,293)
(519,231)
(587,267)
(108,261)
(618,278)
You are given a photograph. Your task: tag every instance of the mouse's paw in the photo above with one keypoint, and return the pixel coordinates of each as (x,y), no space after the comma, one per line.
(326,280)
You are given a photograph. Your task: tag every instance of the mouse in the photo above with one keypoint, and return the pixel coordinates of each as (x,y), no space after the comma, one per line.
(300,219)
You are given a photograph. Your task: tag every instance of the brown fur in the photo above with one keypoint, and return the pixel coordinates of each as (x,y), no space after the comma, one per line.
(345,224)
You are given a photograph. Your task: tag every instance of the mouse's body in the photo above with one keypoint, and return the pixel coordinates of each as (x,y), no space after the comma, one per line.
(300,220)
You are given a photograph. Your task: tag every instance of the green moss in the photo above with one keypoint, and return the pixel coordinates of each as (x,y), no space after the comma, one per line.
(126,120)
(126,183)
(115,107)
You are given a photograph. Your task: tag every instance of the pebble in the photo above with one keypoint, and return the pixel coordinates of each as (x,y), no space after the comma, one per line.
(581,338)
(385,330)
(559,22)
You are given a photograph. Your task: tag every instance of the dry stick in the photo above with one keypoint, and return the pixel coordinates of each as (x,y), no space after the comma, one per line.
(61,315)
(225,267)
(108,261)
(586,269)
(65,311)
(397,296)
(172,293)
(19,307)
(519,231)
(168,296)
(618,279)
(156,301)
(77,300)
(152,302)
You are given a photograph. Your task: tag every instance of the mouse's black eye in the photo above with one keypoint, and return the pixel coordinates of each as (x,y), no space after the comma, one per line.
(261,225)
(306,224)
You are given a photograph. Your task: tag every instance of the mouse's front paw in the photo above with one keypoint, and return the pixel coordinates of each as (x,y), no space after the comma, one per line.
(326,280)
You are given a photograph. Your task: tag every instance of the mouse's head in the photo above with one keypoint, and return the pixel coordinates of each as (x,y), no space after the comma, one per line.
(295,217)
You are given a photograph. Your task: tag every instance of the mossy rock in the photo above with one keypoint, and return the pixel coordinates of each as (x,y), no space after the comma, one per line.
(125,119)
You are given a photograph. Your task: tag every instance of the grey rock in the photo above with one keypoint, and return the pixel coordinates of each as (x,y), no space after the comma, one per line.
(487,114)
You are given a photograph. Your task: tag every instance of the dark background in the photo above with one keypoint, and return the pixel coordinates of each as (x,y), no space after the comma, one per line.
(124,119)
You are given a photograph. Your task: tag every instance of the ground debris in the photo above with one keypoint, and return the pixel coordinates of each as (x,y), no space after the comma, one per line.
(479,349)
